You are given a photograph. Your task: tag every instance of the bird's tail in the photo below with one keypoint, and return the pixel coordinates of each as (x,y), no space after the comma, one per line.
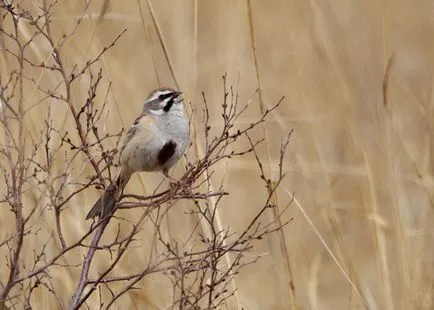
(107,202)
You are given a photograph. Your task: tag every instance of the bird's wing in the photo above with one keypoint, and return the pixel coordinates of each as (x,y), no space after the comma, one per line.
(142,124)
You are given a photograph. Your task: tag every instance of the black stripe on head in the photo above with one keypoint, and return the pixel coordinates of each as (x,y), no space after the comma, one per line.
(166,152)
(168,105)
(172,96)
(162,97)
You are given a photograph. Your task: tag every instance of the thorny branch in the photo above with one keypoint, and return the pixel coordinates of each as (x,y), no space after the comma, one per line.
(41,181)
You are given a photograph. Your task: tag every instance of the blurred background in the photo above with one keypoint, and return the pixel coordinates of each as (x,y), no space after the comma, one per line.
(357,81)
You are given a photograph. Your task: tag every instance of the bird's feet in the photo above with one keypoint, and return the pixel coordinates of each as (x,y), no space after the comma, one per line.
(172,182)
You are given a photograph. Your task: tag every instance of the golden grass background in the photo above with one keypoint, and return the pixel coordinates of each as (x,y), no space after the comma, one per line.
(360,163)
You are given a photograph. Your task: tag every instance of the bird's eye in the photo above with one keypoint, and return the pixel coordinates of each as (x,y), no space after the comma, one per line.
(165,96)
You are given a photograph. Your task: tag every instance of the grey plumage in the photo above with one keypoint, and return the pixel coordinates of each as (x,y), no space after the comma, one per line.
(155,142)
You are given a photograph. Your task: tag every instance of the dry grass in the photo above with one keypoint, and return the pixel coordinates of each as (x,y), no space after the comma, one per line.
(357,76)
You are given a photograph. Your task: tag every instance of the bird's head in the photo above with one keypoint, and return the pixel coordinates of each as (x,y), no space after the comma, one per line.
(163,100)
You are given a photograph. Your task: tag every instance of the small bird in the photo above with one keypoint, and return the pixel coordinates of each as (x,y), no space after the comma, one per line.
(155,142)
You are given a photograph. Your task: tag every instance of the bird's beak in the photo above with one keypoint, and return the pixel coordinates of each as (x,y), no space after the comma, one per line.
(178,96)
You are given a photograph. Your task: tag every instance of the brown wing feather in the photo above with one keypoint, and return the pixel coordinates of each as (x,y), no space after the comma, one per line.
(142,125)
(107,201)
(132,131)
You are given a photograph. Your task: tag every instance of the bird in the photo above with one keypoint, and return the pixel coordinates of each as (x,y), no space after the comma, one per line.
(157,139)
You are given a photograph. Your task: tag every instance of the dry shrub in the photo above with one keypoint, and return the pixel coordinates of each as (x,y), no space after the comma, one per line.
(201,267)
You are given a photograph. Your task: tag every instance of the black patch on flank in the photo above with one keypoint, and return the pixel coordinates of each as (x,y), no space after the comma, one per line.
(166,152)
